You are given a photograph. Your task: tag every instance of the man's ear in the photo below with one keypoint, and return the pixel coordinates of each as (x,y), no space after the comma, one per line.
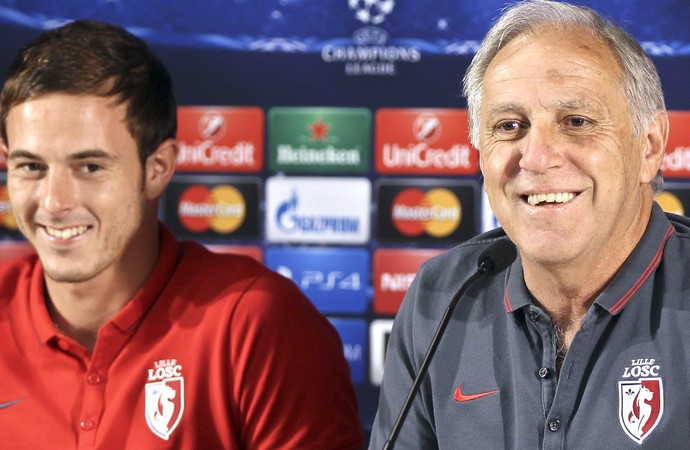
(654,147)
(160,167)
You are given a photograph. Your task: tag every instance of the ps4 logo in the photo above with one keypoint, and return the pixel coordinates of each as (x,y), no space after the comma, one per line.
(336,280)
(323,280)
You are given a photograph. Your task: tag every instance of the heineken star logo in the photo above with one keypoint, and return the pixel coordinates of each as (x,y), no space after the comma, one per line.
(319,130)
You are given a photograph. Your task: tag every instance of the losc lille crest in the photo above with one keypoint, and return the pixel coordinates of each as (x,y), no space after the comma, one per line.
(641,405)
(164,398)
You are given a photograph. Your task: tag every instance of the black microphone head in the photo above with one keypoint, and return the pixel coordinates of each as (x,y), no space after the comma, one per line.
(497,257)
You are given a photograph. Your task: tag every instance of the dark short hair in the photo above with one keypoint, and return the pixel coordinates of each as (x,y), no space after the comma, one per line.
(87,57)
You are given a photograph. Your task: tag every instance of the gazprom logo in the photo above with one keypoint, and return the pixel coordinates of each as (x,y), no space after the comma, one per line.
(318,210)
(290,221)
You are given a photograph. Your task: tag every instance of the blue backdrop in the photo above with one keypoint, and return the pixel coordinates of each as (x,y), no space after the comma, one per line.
(383,53)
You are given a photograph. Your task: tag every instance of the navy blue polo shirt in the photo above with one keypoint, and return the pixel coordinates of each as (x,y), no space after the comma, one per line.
(624,383)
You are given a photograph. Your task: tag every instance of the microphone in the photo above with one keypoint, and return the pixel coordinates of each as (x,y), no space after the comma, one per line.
(495,259)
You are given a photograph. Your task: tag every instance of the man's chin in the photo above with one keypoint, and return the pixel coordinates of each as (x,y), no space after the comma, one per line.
(63,276)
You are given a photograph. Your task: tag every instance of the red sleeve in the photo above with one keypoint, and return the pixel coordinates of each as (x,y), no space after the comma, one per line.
(290,378)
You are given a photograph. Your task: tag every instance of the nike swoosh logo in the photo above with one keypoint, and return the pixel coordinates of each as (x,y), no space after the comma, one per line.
(10,403)
(460,397)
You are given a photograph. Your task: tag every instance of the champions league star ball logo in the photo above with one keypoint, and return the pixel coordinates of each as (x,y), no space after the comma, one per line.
(371,11)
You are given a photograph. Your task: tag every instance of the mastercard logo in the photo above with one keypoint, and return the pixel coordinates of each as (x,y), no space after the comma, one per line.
(436,212)
(221,209)
(6,217)
(670,203)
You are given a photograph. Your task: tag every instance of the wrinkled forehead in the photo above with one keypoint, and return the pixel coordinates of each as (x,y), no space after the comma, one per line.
(555,43)
(577,63)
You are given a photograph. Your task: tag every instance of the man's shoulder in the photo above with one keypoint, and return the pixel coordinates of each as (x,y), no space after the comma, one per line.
(464,256)
(681,224)
(447,272)
(15,267)
(226,274)
(207,262)
(16,272)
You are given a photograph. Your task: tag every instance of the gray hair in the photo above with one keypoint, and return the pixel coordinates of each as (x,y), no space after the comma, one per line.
(642,86)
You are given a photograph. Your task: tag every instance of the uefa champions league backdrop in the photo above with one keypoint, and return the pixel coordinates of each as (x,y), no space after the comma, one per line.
(328,138)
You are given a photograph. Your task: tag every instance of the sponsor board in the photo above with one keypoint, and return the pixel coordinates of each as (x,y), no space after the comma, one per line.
(675,198)
(8,226)
(676,162)
(323,140)
(489,221)
(353,333)
(318,210)
(220,139)
(423,142)
(213,207)
(426,211)
(379,334)
(336,280)
(393,272)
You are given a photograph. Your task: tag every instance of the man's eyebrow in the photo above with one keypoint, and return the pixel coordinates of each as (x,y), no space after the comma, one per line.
(84,154)
(16,154)
(90,154)
(502,108)
(573,104)
(566,105)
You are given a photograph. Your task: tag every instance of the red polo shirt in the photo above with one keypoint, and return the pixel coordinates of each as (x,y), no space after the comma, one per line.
(213,352)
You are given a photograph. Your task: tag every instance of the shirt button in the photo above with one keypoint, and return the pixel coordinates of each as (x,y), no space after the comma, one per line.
(94,378)
(554,424)
(544,372)
(87,425)
(64,345)
(534,316)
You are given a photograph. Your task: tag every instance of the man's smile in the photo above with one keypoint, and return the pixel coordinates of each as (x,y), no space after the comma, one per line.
(551,197)
(66,233)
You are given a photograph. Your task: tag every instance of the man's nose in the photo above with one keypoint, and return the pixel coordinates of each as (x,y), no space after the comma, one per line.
(539,150)
(58,192)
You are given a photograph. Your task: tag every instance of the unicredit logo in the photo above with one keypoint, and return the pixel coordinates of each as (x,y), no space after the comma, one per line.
(436,212)
(220,139)
(208,154)
(221,209)
(212,125)
(427,128)
(678,160)
(422,156)
(417,141)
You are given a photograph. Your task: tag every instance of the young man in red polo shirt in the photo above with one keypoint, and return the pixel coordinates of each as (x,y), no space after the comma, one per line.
(114,335)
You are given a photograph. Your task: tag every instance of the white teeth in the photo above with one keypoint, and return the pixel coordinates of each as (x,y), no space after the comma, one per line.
(558,197)
(66,233)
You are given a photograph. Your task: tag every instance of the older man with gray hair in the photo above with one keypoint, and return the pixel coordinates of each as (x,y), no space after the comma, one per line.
(583,341)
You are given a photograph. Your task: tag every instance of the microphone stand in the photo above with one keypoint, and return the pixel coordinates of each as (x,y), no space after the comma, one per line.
(495,259)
